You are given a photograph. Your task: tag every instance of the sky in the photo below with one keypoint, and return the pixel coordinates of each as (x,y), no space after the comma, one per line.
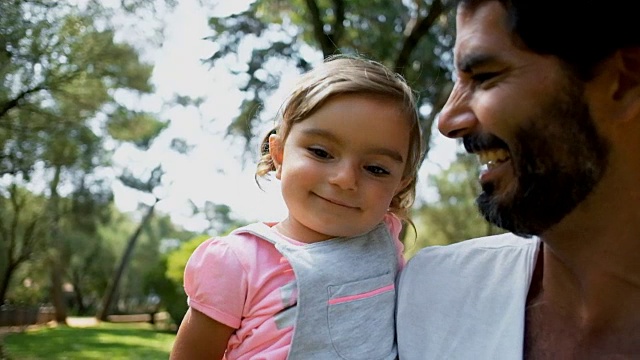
(214,170)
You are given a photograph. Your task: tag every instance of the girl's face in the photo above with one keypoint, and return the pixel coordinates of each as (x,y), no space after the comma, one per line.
(340,167)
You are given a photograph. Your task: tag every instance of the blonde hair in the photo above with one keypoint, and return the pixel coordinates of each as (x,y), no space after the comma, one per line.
(343,74)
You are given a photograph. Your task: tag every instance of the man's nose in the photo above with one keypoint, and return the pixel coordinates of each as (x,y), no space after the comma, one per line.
(456,118)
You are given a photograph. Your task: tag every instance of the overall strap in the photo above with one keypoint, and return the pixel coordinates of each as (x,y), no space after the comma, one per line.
(260,230)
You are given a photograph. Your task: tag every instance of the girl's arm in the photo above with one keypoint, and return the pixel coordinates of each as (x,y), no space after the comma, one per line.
(200,337)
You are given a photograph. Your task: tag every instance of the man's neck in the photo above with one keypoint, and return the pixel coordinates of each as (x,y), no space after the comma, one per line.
(592,257)
(583,308)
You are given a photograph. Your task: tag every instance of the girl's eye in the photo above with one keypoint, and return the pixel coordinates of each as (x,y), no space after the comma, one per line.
(377,170)
(319,153)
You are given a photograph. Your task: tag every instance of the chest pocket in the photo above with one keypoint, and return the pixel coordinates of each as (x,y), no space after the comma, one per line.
(371,334)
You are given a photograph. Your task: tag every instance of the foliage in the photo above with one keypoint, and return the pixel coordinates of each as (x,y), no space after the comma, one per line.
(454,215)
(169,276)
(170,292)
(174,270)
(89,246)
(92,264)
(150,263)
(142,287)
(62,74)
(28,284)
(219,217)
(414,38)
(60,69)
(177,260)
(90,256)
(22,229)
(134,126)
(115,341)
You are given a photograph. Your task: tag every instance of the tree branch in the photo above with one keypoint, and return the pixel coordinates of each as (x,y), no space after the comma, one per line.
(338,25)
(29,241)
(326,42)
(16,101)
(420,29)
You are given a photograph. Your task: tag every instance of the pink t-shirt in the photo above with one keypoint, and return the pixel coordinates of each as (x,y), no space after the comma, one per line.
(245,283)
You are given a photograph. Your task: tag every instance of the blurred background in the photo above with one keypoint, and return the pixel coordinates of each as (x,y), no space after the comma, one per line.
(129,132)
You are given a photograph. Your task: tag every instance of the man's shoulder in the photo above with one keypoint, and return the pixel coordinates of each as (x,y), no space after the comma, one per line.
(484,269)
(465,300)
(501,241)
(494,244)
(479,254)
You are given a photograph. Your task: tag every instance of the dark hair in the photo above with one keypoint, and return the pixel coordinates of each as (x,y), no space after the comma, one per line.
(581,33)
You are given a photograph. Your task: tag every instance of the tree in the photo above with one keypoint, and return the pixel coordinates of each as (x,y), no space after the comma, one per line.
(83,249)
(22,229)
(219,217)
(61,69)
(173,289)
(453,216)
(147,186)
(169,277)
(24,225)
(414,38)
(94,254)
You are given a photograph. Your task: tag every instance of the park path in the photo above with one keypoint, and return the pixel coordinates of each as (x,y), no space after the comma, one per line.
(73,321)
(82,321)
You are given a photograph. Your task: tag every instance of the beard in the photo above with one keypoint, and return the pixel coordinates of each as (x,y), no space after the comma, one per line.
(558,158)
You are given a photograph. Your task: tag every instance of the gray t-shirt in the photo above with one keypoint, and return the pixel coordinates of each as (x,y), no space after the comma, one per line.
(466,300)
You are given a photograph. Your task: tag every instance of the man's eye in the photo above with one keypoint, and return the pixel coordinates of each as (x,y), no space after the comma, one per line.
(377,170)
(483,77)
(319,153)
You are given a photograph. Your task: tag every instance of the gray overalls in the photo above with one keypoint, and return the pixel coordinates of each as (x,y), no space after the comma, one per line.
(346,295)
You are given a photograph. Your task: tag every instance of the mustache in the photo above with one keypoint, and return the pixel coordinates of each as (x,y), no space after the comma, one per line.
(482,141)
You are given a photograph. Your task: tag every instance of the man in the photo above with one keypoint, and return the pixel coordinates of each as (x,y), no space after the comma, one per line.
(547,94)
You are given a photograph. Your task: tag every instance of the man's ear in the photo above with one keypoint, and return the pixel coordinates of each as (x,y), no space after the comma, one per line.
(276,151)
(627,89)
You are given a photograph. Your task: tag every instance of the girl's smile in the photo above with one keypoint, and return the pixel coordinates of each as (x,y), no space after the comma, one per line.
(341,166)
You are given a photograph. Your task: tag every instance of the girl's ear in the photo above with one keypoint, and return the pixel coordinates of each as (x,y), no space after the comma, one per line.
(403,184)
(276,152)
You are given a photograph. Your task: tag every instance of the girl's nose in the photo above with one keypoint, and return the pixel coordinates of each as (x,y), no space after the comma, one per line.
(456,118)
(345,176)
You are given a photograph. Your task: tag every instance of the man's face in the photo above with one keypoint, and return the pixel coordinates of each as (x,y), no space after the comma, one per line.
(527,120)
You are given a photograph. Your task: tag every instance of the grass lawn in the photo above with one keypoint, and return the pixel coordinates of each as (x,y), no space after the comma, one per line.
(104,341)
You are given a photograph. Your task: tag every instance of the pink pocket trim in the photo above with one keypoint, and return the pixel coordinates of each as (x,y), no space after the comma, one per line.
(362,296)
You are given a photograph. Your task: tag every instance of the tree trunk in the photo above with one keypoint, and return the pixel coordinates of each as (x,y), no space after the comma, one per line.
(4,282)
(57,295)
(77,292)
(107,300)
(15,254)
